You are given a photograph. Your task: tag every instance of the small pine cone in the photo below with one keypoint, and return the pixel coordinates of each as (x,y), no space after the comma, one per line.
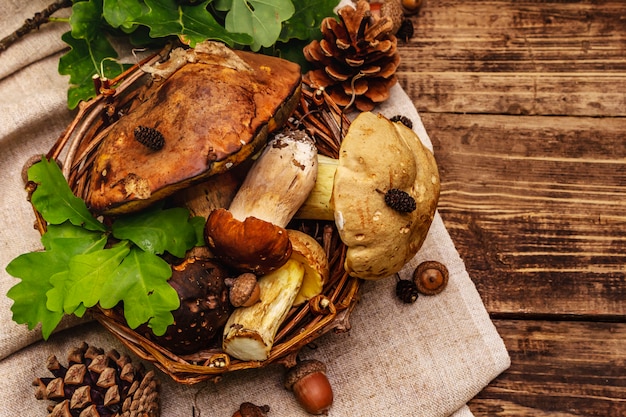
(406,290)
(400,201)
(149,137)
(356,58)
(98,384)
(402,119)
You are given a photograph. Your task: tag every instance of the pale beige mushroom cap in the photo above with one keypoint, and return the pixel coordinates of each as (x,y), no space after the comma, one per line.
(377,155)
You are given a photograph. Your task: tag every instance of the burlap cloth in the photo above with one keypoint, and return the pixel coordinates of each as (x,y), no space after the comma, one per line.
(423,359)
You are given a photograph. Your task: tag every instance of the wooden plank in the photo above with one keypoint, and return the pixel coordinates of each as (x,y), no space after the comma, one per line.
(564,369)
(535,206)
(526,57)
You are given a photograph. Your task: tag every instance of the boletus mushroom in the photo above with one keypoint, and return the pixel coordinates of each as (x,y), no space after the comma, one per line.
(382,193)
(251,234)
(213,108)
(249,332)
(204,306)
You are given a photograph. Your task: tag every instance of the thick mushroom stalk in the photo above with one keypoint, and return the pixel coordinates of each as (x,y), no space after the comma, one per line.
(279,181)
(249,332)
(250,235)
(382,192)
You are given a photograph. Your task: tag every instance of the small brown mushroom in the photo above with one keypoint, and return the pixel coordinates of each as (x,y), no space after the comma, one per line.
(204,306)
(310,386)
(411,6)
(431,277)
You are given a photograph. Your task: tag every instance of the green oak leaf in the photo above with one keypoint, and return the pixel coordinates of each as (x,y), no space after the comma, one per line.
(35,270)
(123,14)
(261,19)
(29,295)
(141,283)
(85,59)
(86,19)
(306,20)
(54,199)
(82,284)
(69,239)
(157,231)
(194,23)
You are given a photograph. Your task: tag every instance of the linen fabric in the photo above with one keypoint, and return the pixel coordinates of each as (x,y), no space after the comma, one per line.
(424,359)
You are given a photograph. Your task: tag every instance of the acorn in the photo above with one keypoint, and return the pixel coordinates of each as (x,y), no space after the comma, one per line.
(310,386)
(244,290)
(411,6)
(431,277)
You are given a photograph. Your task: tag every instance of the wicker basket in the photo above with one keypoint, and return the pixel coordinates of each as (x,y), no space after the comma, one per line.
(328,311)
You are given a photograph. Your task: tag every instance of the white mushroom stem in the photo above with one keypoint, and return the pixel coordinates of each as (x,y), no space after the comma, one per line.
(250,331)
(279,181)
(317,205)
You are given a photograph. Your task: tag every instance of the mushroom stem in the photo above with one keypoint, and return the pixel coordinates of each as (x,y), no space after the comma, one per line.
(317,205)
(279,181)
(250,331)
(251,234)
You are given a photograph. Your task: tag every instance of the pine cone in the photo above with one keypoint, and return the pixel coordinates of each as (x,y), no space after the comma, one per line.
(98,384)
(357,57)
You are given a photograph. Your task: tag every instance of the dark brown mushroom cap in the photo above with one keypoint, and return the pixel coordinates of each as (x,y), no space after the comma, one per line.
(211,114)
(204,306)
(250,245)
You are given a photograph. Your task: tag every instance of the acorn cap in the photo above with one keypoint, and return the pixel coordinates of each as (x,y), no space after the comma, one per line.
(301,370)
(244,290)
(431,277)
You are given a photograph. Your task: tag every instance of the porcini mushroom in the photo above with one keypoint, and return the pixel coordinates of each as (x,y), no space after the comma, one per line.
(214,109)
(251,234)
(204,306)
(249,332)
(377,156)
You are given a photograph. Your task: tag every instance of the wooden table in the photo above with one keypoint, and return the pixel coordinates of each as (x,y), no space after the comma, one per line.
(525,102)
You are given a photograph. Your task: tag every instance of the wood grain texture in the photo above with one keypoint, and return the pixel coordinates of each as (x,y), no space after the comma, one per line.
(518,57)
(550,377)
(525,102)
(536,207)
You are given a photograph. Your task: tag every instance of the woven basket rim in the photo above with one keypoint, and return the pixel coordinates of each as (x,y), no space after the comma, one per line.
(328,311)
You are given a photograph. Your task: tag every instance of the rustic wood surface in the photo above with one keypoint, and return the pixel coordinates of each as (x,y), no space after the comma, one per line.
(525,102)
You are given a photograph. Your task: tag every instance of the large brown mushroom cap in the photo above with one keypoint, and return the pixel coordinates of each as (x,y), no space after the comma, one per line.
(378,155)
(212,113)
